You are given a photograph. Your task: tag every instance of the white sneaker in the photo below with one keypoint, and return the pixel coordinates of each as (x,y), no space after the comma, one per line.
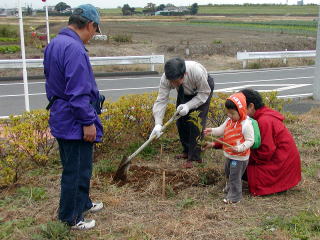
(96,207)
(84,225)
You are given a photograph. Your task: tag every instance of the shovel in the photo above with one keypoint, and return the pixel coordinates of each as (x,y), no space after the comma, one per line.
(123,168)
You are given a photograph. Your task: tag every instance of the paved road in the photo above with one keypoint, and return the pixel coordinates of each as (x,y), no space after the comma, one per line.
(289,82)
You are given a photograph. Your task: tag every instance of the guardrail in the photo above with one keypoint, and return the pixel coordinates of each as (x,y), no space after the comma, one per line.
(245,56)
(95,61)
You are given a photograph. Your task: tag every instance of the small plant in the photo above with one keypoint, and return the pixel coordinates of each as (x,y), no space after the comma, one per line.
(122,38)
(254,65)
(34,193)
(216,41)
(54,230)
(105,166)
(170,192)
(7,228)
(186,203)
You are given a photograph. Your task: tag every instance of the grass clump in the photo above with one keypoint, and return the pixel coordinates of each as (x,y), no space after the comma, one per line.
(122,38)
(54,230)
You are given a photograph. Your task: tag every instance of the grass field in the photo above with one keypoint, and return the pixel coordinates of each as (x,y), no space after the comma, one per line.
(285,10)
(296,27)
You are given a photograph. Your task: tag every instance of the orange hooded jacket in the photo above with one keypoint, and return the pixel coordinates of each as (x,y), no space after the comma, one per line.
(233,134)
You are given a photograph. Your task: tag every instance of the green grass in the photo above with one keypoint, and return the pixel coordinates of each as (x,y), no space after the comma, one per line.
(298,27)
(9,49)
(53,230)
(303,226)
(259,10)
(8,40)
(186,203)
(7,228)
(308,28)
(34,193)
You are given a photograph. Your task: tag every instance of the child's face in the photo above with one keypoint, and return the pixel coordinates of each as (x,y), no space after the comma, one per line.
(233,114)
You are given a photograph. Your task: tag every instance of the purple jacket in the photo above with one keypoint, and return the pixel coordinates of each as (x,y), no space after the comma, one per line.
(69,77)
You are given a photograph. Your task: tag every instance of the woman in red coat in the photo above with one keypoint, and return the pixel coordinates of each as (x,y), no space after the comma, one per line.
(275,166)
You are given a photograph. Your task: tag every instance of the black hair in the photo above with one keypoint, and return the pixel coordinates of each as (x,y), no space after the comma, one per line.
(77,20)
(174,69)
(230,105)
(254,97)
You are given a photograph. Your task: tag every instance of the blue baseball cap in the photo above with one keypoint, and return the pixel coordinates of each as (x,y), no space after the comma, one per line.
(89,12)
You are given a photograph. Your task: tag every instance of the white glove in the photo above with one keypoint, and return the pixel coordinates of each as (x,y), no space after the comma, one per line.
(156,131)
(183,109)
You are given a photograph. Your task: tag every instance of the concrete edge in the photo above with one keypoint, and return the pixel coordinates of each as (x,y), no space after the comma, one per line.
(105,74)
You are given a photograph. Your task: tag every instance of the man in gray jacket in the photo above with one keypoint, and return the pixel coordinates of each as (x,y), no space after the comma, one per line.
(194,87)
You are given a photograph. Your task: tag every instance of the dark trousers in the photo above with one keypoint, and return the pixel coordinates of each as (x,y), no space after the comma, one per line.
(188,132)
(76,159)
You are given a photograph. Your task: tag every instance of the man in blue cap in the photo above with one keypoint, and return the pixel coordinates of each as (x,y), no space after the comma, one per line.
(74,107)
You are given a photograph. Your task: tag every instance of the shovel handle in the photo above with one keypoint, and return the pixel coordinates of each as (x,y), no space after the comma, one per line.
(173,118)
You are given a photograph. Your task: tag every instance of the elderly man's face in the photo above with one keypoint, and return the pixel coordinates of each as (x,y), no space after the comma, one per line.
(177,83)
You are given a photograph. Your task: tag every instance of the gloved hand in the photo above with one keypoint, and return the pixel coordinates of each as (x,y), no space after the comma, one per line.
(183,109)
(156,131)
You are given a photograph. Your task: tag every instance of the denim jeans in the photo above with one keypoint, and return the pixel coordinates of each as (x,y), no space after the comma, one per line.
(76,159)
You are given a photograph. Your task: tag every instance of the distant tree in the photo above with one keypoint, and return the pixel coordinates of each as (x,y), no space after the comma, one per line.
(149,9)
(61,6)
(29,10)
(194,9)
(127,10)
(170,5)
(161,7)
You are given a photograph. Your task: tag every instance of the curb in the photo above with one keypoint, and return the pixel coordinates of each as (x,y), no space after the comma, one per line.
(106,74)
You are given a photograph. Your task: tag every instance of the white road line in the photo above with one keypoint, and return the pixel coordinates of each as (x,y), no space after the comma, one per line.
(265,80)
(230,89)
(296,95)
(122,89)
(261,70)
(217,83)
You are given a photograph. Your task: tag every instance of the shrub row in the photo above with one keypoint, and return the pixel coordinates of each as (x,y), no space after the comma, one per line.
(8,40)
(9,49)
(27,142)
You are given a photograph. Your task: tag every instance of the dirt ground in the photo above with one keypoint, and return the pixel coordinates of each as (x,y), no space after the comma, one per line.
(190,209)
(213,46)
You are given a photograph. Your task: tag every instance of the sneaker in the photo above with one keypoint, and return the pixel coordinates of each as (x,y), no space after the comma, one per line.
(96,207)
(187,164)
(228,201)
(84,225)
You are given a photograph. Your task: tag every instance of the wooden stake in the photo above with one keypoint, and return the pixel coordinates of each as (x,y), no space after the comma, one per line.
(164,184)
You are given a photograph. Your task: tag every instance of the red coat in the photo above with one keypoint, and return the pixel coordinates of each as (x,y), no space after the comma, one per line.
(275,166)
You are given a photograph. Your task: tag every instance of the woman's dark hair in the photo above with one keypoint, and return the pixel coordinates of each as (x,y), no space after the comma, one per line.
(230,105)
(174,69)
(254,97)
(77,20)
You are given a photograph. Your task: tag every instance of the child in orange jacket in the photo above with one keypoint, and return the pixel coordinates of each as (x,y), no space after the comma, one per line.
(237,131)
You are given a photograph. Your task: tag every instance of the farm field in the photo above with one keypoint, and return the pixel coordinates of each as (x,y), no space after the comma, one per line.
(189,206)
(212,40)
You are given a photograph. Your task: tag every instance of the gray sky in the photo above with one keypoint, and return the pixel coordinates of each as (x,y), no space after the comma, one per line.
(139,3)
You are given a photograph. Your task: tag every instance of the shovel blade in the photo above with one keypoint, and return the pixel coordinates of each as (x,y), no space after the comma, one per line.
(122,171)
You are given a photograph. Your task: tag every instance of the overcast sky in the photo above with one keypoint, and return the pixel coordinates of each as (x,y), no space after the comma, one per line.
(139,3)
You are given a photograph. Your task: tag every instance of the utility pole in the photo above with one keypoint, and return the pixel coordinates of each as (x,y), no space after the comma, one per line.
(316,83)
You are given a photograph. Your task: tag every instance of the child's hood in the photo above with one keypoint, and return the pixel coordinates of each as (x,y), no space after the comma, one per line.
(239,100)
